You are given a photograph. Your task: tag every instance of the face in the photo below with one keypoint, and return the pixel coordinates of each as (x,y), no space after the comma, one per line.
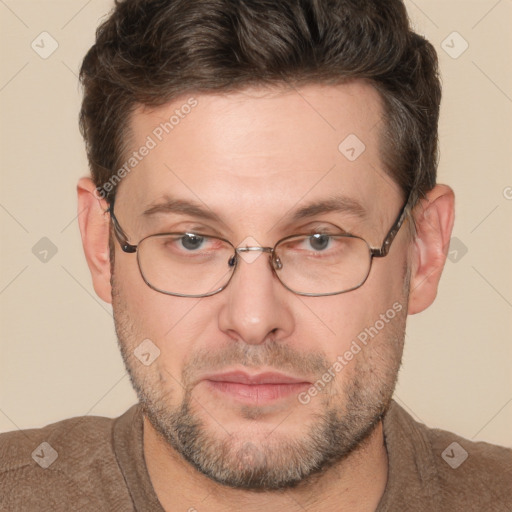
(326,366)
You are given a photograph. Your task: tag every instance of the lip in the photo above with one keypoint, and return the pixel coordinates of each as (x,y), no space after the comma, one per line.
(255,389)
(255,379)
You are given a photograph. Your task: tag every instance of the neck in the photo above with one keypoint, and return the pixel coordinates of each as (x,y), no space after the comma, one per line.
(356,483)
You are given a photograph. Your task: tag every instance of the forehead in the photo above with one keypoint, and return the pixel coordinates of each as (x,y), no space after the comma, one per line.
(259,151)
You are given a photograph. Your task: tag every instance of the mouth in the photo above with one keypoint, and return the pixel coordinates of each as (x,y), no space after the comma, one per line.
(256,389)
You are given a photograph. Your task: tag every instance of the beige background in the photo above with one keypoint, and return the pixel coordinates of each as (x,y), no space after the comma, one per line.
(58,354)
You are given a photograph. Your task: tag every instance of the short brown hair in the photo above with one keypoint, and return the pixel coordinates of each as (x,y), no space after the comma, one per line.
(148,52)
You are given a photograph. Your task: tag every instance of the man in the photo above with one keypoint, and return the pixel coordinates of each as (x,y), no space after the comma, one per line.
(262,214)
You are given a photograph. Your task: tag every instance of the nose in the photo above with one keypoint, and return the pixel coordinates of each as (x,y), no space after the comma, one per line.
(255,304)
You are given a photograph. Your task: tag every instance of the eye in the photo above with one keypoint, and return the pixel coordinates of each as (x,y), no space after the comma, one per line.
(191,242)
(318,245)
(319,241)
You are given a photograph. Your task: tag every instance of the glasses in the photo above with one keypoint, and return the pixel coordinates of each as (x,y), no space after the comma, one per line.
(190,264)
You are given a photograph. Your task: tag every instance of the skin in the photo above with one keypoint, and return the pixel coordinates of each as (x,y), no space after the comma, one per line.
(252,157)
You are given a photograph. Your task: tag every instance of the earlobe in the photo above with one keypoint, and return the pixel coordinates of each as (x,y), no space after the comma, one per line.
(94,228)
(434,223)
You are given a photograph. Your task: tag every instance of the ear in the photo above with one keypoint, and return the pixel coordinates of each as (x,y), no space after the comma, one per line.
(94,229)
(434,217)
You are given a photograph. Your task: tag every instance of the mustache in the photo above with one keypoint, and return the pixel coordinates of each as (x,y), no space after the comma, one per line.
(273,355)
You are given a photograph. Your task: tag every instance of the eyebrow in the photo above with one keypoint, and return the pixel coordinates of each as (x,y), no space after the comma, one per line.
(335,204)
(180,206)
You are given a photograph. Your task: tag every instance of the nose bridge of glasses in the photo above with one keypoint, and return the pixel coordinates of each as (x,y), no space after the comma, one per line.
(254,248)
(275,261)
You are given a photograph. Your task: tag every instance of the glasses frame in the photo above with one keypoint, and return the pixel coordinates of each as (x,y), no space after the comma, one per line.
(375,252)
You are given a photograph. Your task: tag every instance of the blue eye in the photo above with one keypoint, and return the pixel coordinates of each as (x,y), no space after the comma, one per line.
(191,242)
(319,242)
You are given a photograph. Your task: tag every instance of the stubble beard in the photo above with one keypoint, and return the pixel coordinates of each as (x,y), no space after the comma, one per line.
(349,414)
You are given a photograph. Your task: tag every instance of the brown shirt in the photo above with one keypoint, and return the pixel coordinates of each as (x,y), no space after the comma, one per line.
(97,464)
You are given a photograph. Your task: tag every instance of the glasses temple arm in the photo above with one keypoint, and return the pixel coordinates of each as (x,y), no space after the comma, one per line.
(119,233)
(386,244)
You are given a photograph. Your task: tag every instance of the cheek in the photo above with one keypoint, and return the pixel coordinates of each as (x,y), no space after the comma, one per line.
(336,322)
(154,313)
(176,325)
